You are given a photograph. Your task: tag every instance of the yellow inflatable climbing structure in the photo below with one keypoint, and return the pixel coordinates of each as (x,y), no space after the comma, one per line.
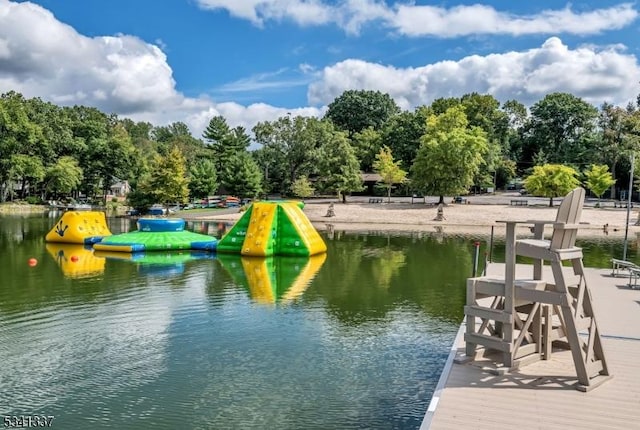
(273,228)
(86,227)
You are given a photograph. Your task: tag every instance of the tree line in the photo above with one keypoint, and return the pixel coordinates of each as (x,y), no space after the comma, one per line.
(445,148)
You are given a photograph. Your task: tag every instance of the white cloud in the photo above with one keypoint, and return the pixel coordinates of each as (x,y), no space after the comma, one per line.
(303,12)
(281,78)
(42,57)
(595,74)
(421,20)
(414,20)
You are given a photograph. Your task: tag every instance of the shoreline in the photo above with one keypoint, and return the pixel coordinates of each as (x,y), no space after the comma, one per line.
(459,219)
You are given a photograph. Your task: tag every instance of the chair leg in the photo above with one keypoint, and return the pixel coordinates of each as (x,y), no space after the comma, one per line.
(588,356)
(547,329)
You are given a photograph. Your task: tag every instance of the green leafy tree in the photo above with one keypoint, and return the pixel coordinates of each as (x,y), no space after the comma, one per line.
(290,148)
(620,130)
(177,134)
(551,180)
(137,130)
(108,151)
(168,178)
(402,134)
(598,179)
(483,110)
(302,187)
(450,155)
(442,104)
(339,167)
(562,126)
(141,196)
(517,116)
(203,180)
(389,170)
(611,122)
(488,171)
(505,172)
(243,178)
(366,143)
(18,135)
(63,177)
(168,134)
(355,110)
(28,170)
(56,139)
(271,163)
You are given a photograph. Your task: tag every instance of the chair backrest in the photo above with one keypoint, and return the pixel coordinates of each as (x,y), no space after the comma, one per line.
(569,213)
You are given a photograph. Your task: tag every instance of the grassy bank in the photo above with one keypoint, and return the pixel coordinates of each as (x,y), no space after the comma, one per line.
(20,208)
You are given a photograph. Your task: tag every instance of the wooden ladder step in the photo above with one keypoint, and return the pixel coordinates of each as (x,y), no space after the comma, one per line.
(494,286)
(547,297)
(488,314)
(488,342)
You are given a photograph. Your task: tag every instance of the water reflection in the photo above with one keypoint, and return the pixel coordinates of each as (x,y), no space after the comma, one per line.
(157,263)
(76,261)
(361,346)
(272,279)
(371,274)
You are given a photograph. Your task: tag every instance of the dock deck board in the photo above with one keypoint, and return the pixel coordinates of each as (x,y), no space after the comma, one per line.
(541,395)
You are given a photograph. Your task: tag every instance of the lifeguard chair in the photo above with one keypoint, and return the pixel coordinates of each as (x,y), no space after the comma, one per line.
(526,316)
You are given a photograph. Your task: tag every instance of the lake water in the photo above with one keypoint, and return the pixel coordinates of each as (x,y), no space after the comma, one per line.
(193,341)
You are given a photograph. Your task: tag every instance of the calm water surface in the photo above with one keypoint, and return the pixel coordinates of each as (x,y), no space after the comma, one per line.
(193,341)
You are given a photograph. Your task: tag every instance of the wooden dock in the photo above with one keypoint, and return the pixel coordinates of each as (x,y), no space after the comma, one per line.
(542,395)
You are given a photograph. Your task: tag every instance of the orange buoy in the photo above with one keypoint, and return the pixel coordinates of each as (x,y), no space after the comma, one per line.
(74,258)
(32,262)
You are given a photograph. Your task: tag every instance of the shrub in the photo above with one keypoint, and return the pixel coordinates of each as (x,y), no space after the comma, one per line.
(33,200)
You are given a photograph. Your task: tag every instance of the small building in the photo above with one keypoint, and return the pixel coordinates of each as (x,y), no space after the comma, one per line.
(120,189)
(369,181)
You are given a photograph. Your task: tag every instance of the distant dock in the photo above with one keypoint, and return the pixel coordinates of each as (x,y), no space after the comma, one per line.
(74,207)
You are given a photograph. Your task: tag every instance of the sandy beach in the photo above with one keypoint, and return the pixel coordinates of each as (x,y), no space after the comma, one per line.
(472,218)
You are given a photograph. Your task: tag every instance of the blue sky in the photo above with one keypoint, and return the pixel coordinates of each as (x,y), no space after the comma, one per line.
(255,60)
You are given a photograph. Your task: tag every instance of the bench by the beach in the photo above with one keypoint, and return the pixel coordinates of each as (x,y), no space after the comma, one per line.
(418,197)
(619,265)
(634,275)
(375,200)
(519,202)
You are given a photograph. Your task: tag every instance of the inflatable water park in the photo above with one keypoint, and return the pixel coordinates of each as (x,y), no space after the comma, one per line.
(265,229)
(273,228)
(272,251)
(156,234)
(79,227)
